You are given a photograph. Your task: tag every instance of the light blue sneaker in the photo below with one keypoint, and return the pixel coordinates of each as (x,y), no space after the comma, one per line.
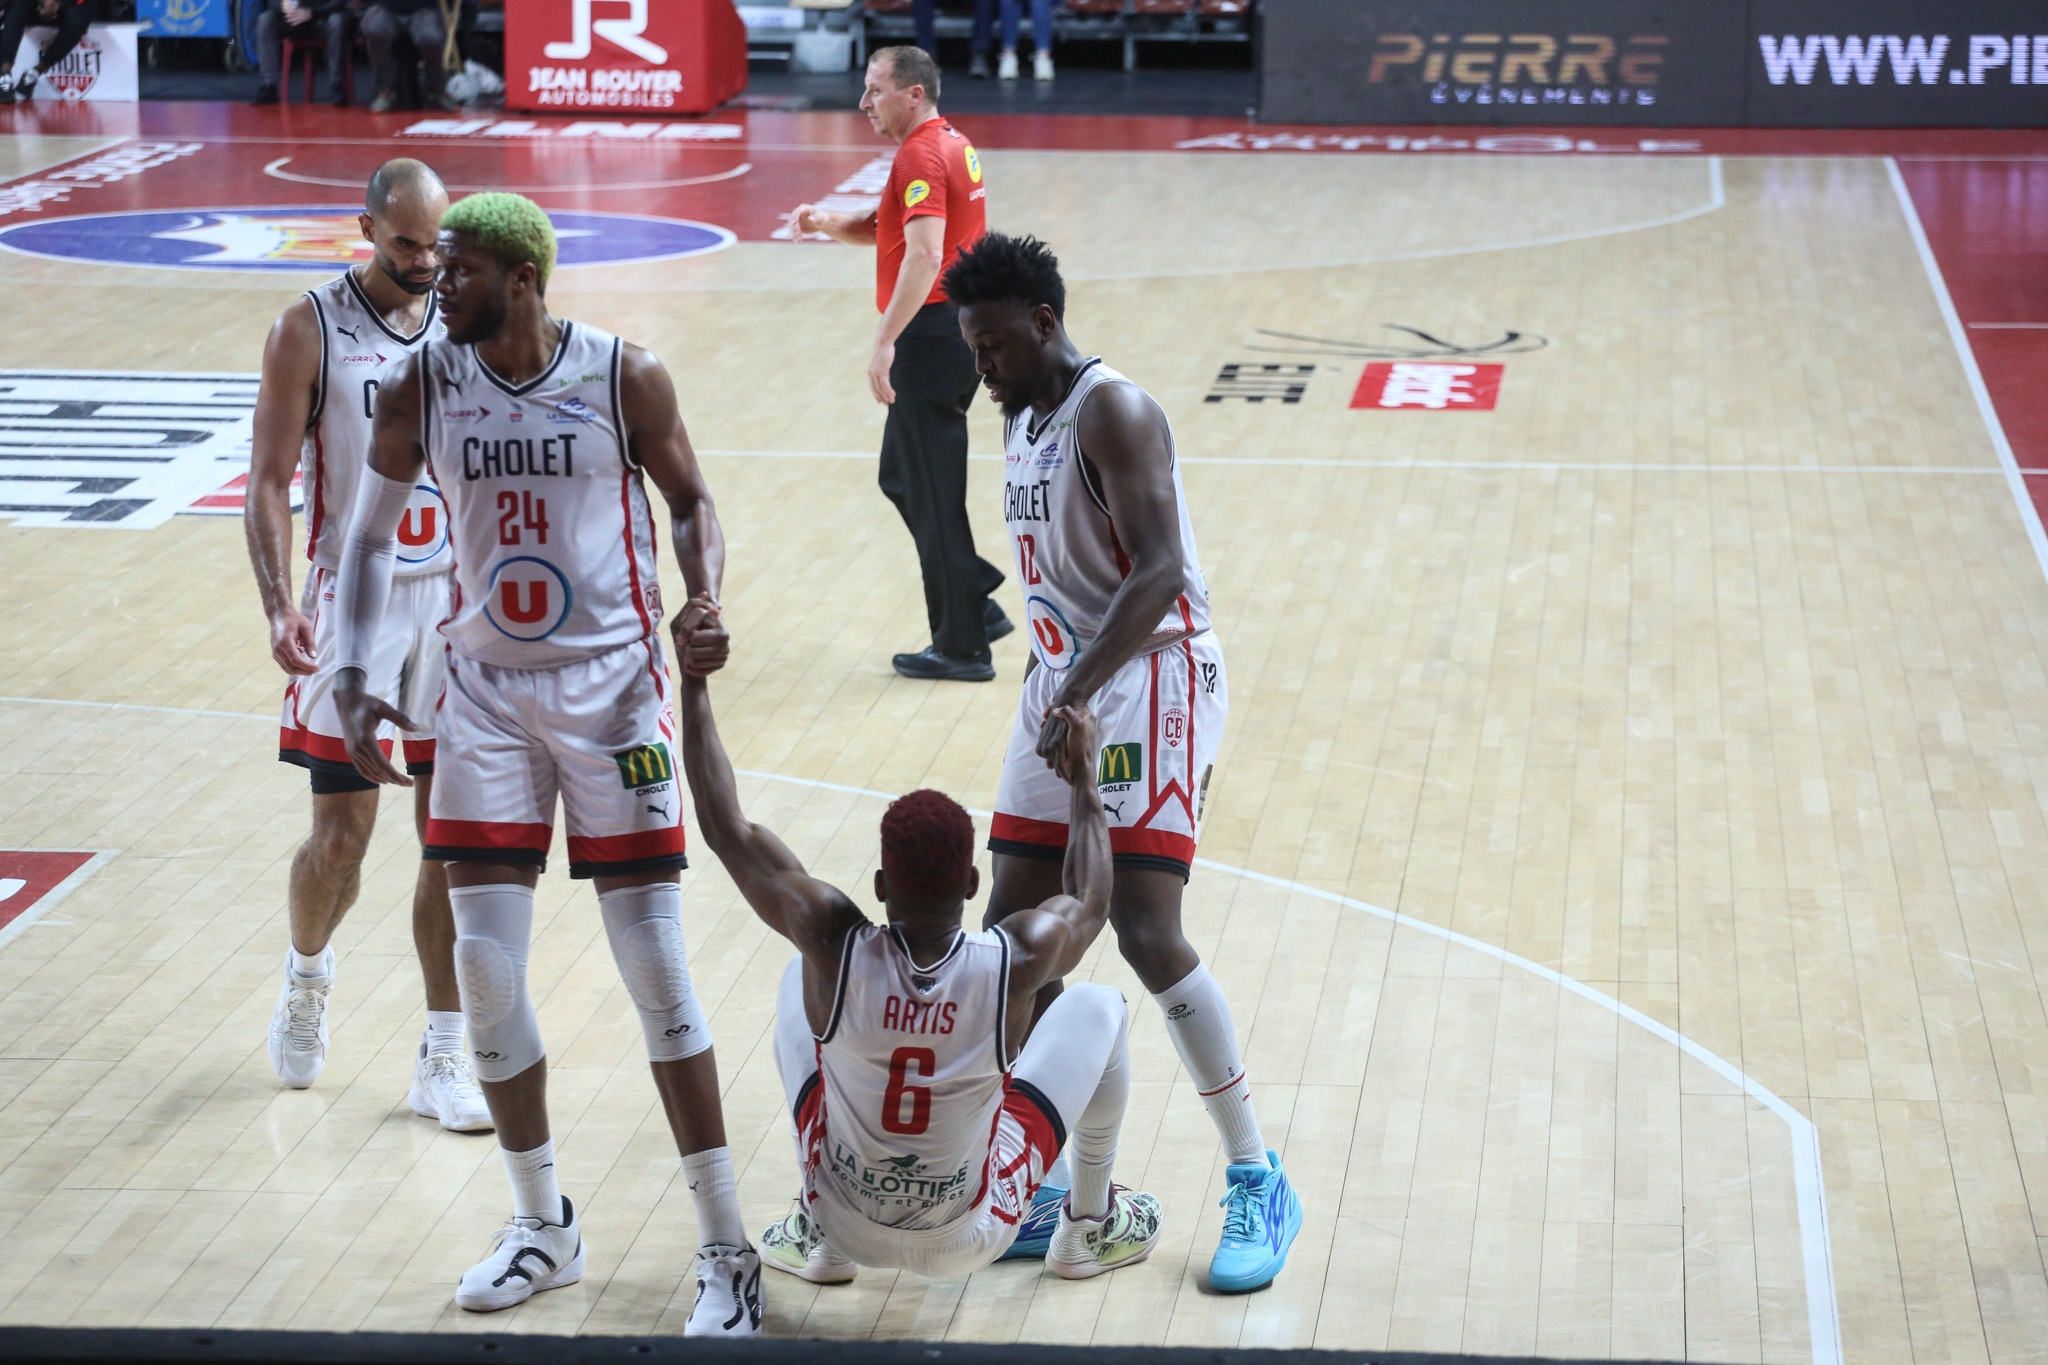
(1041,1220)
(1261,1215)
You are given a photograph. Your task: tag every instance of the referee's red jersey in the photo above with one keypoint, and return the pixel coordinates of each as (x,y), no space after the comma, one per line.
(936,174)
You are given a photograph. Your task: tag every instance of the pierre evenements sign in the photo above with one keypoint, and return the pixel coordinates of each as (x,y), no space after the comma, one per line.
(1588,62)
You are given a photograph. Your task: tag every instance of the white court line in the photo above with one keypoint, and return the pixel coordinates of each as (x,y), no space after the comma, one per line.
(2015,480)
(1589,466)
(2008,326)
(1823,1316)
(100,858)
(1717,198)
(276,170)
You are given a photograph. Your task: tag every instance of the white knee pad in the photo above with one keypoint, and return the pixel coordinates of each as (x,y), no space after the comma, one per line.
(645,927)
(493,928)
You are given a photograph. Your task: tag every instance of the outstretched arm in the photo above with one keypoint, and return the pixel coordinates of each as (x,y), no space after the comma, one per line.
(809,913)
(363,585)
(660,446)
(1052,938)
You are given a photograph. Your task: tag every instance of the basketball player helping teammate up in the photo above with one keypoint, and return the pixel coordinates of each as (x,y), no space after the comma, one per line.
(952,1104)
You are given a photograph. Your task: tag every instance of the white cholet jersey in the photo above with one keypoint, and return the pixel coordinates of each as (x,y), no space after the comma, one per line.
(915,1068)
(1069,561)
(554,538)
(357,350)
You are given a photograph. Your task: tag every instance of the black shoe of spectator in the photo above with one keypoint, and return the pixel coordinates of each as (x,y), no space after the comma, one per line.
(265,94)
(446,103)
(977,66)
(994,621)
(25,88)
(933,666)
(339,99)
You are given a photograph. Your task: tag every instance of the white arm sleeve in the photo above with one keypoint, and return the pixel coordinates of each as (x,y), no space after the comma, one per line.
(363,585)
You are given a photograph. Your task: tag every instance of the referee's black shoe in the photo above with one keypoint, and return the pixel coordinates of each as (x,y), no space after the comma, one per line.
(993,621)
(933,666)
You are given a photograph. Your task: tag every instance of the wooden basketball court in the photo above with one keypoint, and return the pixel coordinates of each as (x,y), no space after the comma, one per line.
(1626,859)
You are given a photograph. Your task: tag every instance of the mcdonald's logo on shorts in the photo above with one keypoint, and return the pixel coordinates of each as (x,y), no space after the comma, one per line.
(645,766)
(1122,763)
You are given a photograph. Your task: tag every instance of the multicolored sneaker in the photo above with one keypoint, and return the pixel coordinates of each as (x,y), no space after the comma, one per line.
(1261,1215)
(1083,1248)
(796,1247)
(1034,1233)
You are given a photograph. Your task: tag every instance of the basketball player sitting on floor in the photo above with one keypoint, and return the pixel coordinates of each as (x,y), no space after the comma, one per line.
(928,1105)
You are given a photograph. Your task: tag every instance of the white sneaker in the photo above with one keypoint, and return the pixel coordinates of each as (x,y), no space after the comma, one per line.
(1041,66)
(1006,67)
(728,1294)
(1086,1247)
(531,1254)
(445,1089)
(298,1027)
(796,1247)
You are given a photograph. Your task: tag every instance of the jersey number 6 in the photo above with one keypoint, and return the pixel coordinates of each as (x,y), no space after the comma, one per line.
(900,1089)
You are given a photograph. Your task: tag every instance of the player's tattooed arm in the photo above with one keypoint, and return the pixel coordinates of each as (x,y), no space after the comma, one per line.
(363,584)
(1052,938)
(284,409)
(813,915)
(661,447)
(1126,439)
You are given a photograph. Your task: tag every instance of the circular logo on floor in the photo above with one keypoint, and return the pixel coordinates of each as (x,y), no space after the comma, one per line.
(322,238)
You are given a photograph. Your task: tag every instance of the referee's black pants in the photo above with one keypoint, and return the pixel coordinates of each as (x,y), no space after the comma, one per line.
(924,472)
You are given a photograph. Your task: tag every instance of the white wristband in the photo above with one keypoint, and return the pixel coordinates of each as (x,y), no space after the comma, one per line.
(363,586)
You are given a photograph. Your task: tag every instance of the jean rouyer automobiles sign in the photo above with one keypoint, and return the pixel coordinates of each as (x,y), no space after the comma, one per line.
(624,56)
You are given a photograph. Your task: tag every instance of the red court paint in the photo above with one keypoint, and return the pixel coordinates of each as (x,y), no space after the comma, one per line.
(27,876)
(1987,222)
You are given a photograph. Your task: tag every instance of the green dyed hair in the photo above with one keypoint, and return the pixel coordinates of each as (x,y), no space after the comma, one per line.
(509,227)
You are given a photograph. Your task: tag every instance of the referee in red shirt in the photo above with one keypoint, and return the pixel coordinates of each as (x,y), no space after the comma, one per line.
(935,204)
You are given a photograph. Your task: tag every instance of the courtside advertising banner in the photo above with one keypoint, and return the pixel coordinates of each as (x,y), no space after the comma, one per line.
(1887,62)
(1766,63)
(102,67)
(1584,62)
(622,57)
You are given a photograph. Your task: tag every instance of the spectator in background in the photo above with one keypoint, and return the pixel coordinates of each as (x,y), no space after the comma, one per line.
(424,23)
(924,18)
(1041,39)
(303,21)
(70,18)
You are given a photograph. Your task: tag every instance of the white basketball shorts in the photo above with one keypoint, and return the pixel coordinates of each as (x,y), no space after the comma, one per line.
(599,732)
(1160,720)
(407,665)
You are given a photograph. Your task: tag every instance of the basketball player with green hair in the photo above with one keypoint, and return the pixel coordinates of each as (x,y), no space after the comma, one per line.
(543,435)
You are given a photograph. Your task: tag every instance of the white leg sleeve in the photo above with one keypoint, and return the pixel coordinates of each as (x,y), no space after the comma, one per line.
(645,926)
(796,1052)
(493,929)
(1071,1048)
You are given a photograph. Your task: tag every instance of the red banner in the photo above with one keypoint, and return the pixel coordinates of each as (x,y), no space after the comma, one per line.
(623,56)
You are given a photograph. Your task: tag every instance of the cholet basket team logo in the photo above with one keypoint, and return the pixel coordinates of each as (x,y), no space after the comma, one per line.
(322,238)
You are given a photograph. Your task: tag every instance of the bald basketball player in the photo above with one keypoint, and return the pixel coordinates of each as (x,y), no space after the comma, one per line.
(326,357)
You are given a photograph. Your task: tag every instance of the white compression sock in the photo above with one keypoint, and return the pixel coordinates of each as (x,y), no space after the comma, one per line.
(712,1185)
(315,964)
(444,1031)
(1093,1144)
(1061,1174)
(1198,1022)
(535,1194)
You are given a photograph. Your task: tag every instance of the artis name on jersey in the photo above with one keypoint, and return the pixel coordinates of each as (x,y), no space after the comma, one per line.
(519,457)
